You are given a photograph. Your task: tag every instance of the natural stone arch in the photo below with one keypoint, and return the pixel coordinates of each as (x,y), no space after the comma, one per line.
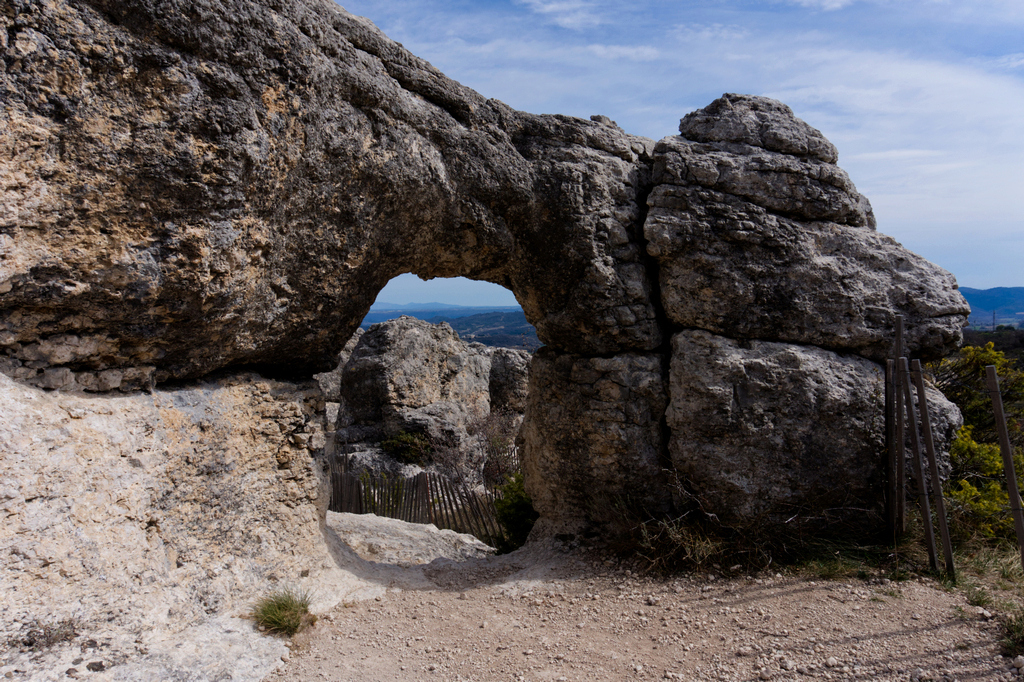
(269,181)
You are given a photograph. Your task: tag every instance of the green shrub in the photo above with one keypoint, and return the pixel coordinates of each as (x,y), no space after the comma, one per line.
(962,378)
(976,488)
(408,448)
(284,612)
(515,512)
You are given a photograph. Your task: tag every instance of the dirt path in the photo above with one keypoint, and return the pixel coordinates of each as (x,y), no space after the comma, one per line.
(541,615)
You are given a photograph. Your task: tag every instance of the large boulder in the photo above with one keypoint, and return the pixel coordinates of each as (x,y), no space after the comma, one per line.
(767,433)
(410,375)
(760,236)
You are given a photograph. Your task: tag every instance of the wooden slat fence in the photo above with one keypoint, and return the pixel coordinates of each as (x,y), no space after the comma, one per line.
(424,498)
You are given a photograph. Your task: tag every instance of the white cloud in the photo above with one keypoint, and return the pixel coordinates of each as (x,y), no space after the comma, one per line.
(827,5)
(573,14)
(1009,61)
(636,53)
(700,32)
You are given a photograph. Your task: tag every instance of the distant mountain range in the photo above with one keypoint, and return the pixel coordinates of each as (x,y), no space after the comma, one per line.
(1006,302)
(426,311)
(504,326)
(505,329)
(507,326)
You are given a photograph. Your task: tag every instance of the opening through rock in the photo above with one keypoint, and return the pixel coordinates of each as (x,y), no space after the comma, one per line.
(424,408)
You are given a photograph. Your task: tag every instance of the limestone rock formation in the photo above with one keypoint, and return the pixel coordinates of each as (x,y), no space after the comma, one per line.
(760,236)
(189,186)
(410,375)
(153,519)
(391,541)
(198,184)
(593,434)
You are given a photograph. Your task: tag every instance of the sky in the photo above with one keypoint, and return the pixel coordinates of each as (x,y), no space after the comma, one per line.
(923,98)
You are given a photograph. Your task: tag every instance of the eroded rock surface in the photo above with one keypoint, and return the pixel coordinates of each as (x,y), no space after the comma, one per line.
(153,519)
(410,375)
(593,434)
(190,185)
(198,184)
(760,236)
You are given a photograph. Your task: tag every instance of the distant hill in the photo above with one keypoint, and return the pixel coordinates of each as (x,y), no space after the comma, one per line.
(1006,302)
(505,329)
(426,311)
(495,326)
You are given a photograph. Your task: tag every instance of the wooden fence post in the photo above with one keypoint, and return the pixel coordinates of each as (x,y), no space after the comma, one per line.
(891,513)
(900,435)
(1007,450)
(915,444)
(929,446)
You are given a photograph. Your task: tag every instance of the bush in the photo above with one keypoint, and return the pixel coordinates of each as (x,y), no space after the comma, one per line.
(408,448)
(284,612)
(962,378)
(515,512)
(976,489)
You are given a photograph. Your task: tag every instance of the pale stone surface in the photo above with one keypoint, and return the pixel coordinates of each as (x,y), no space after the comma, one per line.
(391,541)
(156,518)
(593,434)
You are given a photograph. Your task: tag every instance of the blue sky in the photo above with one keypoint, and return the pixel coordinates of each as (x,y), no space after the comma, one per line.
(923,98)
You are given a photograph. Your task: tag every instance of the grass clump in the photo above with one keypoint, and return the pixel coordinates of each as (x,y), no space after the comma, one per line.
(284,612)
(40,636)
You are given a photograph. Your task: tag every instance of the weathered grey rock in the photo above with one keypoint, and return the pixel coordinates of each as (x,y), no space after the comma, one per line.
(509,379)
(755,243)
(210,184)
(330,382)
(592,435)
(768,432)
(410,375)
(758,122)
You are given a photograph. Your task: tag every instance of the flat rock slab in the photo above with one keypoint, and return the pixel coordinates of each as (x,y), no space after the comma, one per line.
(390,541)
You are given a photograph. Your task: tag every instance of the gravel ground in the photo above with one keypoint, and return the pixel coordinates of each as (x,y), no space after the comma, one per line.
(539,614)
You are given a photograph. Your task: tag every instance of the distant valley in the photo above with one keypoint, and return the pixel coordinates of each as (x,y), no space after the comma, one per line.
(1006,302)
(504,326)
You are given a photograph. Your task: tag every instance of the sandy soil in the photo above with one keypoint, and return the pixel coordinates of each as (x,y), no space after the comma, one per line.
(543,614)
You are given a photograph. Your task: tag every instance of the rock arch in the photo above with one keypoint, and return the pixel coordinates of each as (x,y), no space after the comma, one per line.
(207,185)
